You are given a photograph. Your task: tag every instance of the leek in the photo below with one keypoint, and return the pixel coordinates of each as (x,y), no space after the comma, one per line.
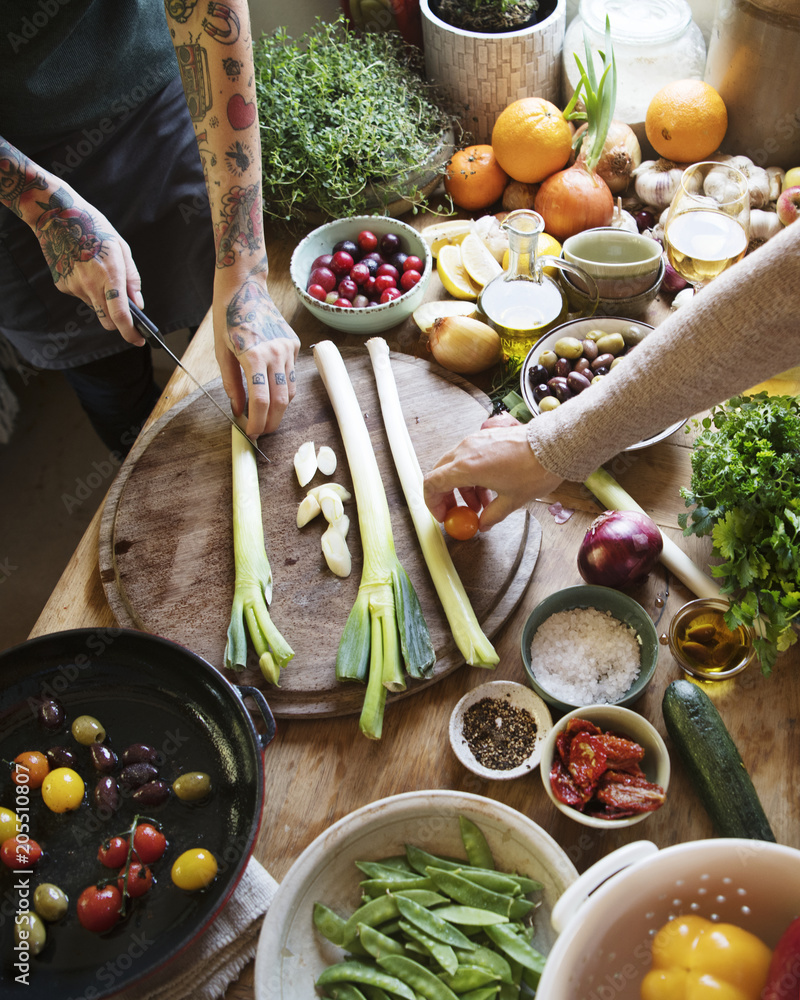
(252,590)
(386,621)
(467,633)
(609,492)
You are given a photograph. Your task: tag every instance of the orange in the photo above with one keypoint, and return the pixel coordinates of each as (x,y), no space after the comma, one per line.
(686,121)
(474,179)
(531,139)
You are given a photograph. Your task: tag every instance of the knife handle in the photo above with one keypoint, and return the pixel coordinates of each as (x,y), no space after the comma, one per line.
(144,325)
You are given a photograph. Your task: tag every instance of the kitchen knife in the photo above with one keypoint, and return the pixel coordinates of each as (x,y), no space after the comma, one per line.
(150,332)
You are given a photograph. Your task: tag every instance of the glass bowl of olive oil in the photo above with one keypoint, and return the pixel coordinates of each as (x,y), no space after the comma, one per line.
(703,644)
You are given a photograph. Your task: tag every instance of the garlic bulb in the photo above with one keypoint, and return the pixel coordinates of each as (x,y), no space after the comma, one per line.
(622,219)
(758,182)
(683,298)
(463,345)
(494,238)
(764,225)
(656,181)
(775,177)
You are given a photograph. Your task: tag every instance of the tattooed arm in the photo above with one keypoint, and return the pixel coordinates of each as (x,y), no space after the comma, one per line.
(86,256)
(252,340)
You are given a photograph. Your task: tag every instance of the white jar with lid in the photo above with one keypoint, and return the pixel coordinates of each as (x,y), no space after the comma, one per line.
(655,42)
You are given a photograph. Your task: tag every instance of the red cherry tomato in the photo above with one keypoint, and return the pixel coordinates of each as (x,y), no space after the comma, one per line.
(461,523)
(20,852)
(99,908)
(30,768)
(149,843)
(138,882)
(113,853)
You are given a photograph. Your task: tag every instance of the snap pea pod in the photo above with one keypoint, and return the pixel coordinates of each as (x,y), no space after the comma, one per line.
(475,843)
(468,977)
(378,944)
(378,869)
(329,924)
(461,890)
(442,953)
(377,886)
(375,992)
(432,924)
(487,959)
(420,860)
(375,912)
(361,972)
(415,975)
(517,948)
(482,993)
(470,916)
(345,991)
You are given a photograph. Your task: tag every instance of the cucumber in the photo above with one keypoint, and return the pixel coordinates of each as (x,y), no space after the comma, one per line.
(713,763)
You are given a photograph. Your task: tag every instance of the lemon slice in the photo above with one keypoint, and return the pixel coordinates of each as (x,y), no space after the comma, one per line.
(427,314)
(442,234)
(479,262)
(453,275)
(546,245)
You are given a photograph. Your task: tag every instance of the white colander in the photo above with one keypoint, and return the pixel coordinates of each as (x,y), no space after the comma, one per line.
(607,918)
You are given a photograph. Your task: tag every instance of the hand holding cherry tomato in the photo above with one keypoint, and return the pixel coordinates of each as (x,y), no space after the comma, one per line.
(461,522)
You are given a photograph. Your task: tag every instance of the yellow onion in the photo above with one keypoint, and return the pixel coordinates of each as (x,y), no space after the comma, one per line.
(573,200)
(464,345)
(620,156)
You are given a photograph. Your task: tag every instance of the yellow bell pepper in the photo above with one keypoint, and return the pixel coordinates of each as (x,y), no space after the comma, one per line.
(698,959)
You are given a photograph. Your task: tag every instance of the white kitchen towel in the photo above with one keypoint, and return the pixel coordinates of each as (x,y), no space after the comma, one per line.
(205,969)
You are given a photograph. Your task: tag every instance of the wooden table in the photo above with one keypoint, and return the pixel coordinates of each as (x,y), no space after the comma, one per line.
(319,770)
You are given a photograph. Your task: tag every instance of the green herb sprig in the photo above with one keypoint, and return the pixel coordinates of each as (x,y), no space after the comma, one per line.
(342,117)
(745,490)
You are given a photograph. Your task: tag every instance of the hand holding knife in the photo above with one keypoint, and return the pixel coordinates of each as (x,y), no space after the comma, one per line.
(150,332)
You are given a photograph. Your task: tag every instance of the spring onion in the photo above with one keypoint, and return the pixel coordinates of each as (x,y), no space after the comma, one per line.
(609,492)
(469,638)
(386,620)
(253,584)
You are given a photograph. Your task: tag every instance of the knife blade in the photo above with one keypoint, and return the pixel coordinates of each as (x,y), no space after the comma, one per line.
(150,332)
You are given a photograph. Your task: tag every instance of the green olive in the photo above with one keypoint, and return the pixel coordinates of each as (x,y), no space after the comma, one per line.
(87,730)
(611,343)
(568,347)
(594,335)
(49,901)
(549,403)
(29,931)
(192,786)
(548,359)
(633,335)
(598,378)
(617,361)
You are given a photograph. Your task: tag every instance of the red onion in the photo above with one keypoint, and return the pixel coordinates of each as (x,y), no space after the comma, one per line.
(673,282)
(619,549)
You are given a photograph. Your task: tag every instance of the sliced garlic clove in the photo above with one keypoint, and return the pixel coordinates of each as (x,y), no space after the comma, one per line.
(330,503)
(342,525)
(343,493)
(326,460)
(307,510)
(305,462)
(336,552)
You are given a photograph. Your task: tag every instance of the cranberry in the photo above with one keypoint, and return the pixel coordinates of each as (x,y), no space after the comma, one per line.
(389,294)
(389,269)
(390,243)
(371,264)
(367,241)
(317,292)
(323,276)
(331,297)
(369,286)
(324,260)
(359,273)
(341,263)
(345,303)
(360,302)
(349,247)
(398,259)
(413,263)
(408,279)
(348,289)
(644,220)
(384,281)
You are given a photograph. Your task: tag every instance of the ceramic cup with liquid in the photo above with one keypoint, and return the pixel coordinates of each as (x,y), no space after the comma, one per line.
(524,302)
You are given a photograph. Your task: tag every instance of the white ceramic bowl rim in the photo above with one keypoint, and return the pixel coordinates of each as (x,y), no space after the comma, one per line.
(558,11)
(648,262)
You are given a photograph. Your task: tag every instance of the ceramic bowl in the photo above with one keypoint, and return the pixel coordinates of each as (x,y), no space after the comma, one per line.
(613,718)
(705,609)
(374,318)
(517,695)
(291,954)
(579,328)
(608,253)
(622,607)
(621,296)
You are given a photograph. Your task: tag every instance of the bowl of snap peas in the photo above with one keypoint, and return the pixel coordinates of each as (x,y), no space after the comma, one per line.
(430,893)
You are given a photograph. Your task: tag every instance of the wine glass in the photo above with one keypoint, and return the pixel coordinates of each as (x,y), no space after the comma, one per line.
(708,223)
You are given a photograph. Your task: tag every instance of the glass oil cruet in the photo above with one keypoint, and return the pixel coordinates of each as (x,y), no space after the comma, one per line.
(524,302)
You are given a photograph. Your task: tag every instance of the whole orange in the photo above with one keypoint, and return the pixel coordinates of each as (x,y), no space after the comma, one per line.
(686,121)
(474,179)
(531,139)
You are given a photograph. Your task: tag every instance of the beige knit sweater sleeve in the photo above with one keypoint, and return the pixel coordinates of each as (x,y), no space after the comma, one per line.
(741,329)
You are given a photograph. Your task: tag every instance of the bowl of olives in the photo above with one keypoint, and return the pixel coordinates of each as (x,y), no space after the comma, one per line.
(574,356)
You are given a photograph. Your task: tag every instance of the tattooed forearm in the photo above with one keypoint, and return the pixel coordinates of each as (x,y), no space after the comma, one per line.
(241,227)
(18,175)
(68,235)
(253,317)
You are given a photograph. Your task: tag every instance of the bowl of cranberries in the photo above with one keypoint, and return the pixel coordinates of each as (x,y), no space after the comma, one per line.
(362,274)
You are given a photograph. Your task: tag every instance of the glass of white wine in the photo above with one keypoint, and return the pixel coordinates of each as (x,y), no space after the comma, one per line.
(708,223)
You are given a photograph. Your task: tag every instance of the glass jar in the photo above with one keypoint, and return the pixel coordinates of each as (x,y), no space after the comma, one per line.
(703,644)
(655,42)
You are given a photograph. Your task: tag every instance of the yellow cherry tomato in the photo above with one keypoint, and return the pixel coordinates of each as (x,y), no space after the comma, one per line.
(62,790)
(9,824)
(461,523)
(194,869)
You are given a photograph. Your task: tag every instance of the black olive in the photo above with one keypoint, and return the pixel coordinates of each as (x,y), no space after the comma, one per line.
(135,775)
(51,714)
(103,759)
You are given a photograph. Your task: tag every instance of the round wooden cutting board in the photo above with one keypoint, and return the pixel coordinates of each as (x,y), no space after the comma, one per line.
(166,537)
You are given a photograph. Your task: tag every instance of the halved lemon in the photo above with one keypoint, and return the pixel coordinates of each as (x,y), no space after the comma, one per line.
(453,274)
(427,314)
(479,262)
(441,234)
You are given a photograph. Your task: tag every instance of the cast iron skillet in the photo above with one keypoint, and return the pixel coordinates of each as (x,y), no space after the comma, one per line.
(144,689)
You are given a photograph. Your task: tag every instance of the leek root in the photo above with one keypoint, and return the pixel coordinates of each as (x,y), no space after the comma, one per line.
(253,586)
(386,622)
(469,638)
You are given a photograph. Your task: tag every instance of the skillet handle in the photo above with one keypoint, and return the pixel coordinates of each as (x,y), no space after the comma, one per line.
(264,739)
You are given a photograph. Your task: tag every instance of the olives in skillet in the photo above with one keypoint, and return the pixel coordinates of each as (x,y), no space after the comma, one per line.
(192,786)
(87,730)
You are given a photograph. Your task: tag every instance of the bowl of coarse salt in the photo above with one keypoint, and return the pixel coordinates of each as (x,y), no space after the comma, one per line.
(589,645)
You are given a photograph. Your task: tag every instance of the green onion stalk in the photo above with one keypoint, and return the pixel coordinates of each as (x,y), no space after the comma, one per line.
(386,626)
(467,633)
(252,590)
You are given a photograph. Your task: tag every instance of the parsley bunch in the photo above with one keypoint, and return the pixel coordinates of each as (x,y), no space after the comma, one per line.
(745,489)
(343,116)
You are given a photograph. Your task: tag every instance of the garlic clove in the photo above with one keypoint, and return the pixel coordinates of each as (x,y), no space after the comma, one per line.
(326,460)
(775,176)
(307,510)
(343,493)
(305,462)
(336,552)
(330,503)
(342,525)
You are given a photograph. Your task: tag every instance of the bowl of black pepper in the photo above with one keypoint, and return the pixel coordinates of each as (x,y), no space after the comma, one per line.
(497,730)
